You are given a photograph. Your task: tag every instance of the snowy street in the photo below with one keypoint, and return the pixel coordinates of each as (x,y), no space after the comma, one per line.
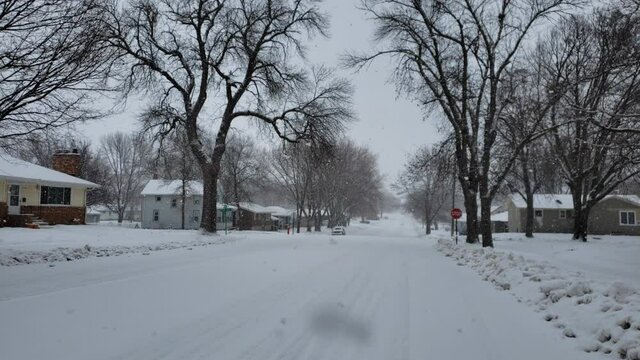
(380,292)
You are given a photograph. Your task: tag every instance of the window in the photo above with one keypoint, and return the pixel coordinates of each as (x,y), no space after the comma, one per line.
(174,202)
(563,214)
(50,195)
(196,216)
(627,218)
(158,198)
(538,213)
(156,215)
(196,201)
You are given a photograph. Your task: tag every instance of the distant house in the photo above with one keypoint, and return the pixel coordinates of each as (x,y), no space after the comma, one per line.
(132,213)
(252,216)
(162,206)
(615,214)
(499,221)
(281,217)
(31,193)
(92,216)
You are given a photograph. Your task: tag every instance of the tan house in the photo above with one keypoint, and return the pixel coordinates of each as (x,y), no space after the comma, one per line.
(31,193)
(553,213)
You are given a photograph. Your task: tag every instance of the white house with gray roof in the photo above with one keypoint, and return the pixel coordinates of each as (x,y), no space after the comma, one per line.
(162,205)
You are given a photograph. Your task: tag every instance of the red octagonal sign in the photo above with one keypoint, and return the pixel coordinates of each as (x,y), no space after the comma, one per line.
(456,213)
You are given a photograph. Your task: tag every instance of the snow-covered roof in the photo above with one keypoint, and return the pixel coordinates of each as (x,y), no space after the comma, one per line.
(172,187)
(279,211)
(92,211)
(563,201)
(254,208)
(221,206)
(545,201)
(501,216)
(14,169)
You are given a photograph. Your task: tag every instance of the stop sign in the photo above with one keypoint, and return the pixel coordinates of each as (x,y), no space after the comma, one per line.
(456,213)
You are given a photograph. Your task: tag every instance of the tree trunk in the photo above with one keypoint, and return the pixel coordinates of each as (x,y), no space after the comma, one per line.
(318,221)
(184,200)
(581,223)
(485,222)
(581,217)
(209,210)
(528,226)
(471,206)
(528,191)
(428,230)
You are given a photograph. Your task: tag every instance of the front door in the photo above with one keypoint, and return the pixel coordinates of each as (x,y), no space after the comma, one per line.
(14,199)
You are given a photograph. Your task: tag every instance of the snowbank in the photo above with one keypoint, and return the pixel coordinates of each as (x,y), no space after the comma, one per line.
(66,243)
(603,316)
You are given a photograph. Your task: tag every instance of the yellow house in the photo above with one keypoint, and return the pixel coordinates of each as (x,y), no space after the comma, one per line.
(29,191)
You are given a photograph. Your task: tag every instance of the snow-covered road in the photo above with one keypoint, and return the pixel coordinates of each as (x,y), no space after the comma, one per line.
(381,292)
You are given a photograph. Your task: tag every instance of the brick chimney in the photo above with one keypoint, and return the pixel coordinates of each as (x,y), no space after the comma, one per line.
(67,161)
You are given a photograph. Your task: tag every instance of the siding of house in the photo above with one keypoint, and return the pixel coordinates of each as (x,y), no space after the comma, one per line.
(551,221)
(605,218)
(171,217)
(248,220)
(3,191)
(514,217)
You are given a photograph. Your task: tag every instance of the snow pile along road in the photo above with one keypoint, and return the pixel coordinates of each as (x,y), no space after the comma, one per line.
(10,257)
(603,317)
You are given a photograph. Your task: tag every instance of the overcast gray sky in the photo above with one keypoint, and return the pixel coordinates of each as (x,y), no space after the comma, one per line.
(391,127)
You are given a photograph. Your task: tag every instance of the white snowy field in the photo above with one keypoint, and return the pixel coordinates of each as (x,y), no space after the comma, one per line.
(589,291)
(381,292)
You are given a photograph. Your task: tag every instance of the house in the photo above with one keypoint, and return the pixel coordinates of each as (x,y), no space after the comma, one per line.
(281,217)
(252,216)
(162,206)
(499,220)
(614,214)
(31,193)
(131,213)
(92,216)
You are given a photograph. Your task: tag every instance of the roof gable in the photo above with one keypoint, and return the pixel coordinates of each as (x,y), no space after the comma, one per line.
(172,187)
(254,208)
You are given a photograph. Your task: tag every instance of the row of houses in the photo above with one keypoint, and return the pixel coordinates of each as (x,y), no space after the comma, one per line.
(33,194)
(167,204)
(553,213)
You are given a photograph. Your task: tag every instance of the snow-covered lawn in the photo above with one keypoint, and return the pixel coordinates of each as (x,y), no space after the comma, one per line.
(588,291)
(383,291)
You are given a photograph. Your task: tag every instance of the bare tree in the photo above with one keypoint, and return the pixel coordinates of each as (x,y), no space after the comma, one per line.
(125,156)
(50,58)
(426,181)
(241,169)
(531,91)
(290,168)
(453,56)
(236,55)
(594,155)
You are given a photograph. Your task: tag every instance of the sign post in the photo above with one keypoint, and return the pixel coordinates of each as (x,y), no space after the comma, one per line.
(455,215)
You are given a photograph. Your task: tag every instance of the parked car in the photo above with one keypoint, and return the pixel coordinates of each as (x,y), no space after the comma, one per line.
(338,230)
(365,222)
